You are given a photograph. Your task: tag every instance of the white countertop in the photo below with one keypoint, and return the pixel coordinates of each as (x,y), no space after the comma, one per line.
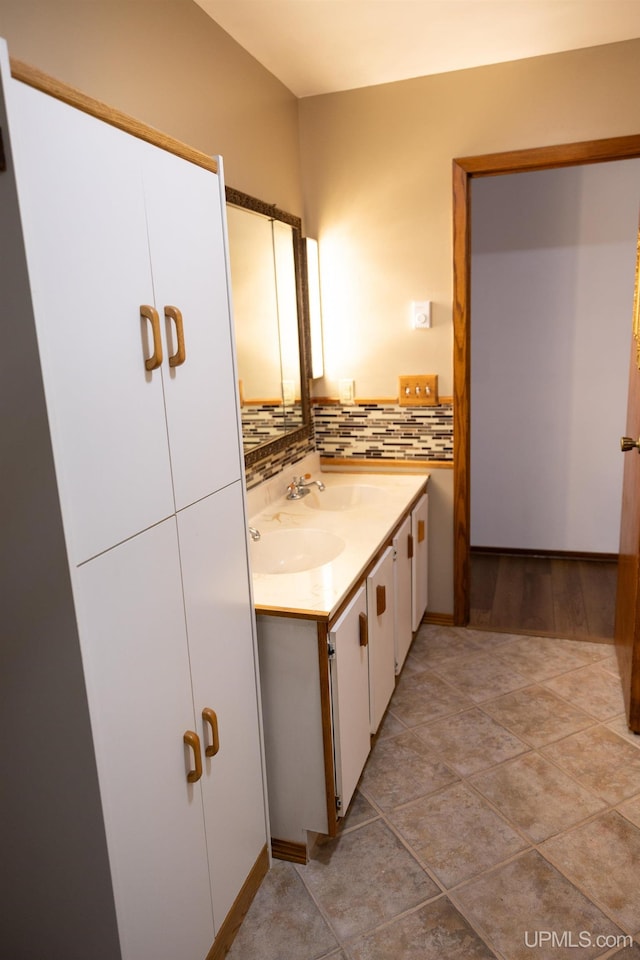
(364,528)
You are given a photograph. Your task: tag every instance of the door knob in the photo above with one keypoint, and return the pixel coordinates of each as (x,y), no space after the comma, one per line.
(627,443)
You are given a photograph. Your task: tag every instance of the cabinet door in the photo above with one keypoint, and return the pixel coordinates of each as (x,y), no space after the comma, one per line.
(403,547)
(187,253)
(350,697)
(136,662)
(213,548)
(419,529)
(380,607)
(81,201)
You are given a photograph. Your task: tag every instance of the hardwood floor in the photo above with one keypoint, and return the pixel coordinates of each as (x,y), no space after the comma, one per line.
(544,596)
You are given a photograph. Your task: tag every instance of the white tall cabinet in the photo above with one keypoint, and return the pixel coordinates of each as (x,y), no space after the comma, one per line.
(128,531)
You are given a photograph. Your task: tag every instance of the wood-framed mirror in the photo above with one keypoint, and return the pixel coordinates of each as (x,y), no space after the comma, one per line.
(271,320)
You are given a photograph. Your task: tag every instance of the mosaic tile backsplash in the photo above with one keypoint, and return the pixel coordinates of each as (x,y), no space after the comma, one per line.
(262,422)
(275,464)
(380,431)
(371,431)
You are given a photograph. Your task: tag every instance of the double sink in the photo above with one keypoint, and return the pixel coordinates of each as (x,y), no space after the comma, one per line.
(312,550)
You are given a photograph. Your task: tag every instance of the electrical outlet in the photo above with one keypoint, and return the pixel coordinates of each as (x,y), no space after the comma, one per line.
(418,391)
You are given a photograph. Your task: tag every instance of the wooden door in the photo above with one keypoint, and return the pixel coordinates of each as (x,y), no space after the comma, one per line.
(464,169)
(627,630)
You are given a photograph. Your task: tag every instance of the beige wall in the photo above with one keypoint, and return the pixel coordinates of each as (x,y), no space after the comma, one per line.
(165,62)
(377,186)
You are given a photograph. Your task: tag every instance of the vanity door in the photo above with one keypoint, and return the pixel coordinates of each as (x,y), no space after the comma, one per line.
(403,547)
(349,663)
(419,523)
(380,612)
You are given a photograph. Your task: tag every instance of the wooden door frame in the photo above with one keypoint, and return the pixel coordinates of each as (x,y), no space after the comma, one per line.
(464,169)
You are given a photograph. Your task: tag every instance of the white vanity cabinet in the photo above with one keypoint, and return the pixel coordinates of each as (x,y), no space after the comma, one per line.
(127,492)
(331,641)
(314,678)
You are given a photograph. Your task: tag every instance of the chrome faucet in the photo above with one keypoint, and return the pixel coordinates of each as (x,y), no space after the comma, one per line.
(254,534)
(299,487)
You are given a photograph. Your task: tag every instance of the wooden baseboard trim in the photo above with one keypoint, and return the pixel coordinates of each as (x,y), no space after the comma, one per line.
(442,619)
(233,920)
(550,554)
(288,850)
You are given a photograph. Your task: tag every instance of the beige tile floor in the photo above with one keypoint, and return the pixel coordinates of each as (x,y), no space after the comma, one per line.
(498,816)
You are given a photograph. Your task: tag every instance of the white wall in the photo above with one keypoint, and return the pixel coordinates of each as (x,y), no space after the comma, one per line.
(551,300)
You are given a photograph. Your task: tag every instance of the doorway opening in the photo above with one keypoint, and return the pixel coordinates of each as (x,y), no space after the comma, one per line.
(536,574)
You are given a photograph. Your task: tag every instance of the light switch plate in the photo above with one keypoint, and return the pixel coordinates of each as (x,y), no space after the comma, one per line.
(420,390)
(347,390)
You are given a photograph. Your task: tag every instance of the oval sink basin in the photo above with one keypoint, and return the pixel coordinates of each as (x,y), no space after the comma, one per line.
(292,551)
(344,498)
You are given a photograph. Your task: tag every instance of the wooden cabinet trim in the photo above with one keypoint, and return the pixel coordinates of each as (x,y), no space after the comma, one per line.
(289,850)
(96,108)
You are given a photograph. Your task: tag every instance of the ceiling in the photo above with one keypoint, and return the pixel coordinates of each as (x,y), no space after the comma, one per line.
(323,46)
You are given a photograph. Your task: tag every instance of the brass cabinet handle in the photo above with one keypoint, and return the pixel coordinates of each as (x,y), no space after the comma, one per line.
(151,314)
(364,630)
(381,599)
(209,716)
(177,358)
(191,739)
(420,531)
(410,546)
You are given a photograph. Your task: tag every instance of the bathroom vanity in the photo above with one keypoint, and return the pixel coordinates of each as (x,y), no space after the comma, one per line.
(340,585)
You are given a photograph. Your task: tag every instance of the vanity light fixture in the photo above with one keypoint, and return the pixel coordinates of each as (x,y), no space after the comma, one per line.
(315,308)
